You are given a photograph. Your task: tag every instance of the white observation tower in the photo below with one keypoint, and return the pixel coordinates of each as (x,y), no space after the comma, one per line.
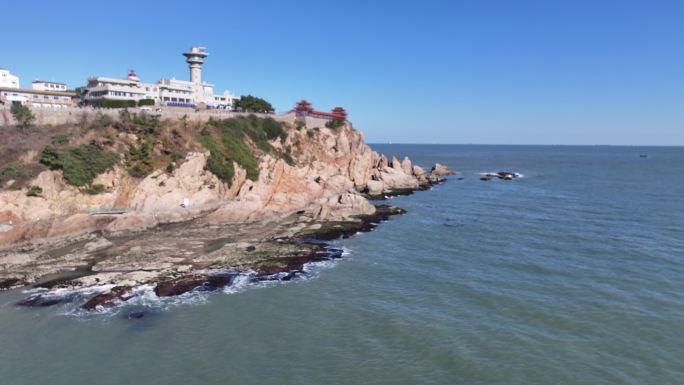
(195,57)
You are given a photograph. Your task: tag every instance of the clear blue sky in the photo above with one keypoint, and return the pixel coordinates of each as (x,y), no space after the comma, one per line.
(478,71)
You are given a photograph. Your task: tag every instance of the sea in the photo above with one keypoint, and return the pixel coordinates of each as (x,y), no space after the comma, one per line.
(572,273)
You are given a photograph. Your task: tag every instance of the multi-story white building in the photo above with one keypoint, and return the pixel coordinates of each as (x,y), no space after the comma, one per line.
(168,92)
(7,80)
(42,94)
(42,85)
(34,98)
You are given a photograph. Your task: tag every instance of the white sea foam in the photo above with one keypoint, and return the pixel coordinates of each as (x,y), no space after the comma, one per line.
(240,283)
(144,296)
(312,268)
(517,174)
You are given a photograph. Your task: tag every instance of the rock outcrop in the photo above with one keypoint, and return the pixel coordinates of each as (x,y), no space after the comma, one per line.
(332,169)
(503,175)
(191,227)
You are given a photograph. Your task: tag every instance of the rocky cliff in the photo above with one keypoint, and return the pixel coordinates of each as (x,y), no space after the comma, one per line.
(331,173)
(260,208)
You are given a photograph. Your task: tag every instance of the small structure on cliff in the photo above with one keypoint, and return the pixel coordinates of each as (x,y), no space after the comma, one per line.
(304,109)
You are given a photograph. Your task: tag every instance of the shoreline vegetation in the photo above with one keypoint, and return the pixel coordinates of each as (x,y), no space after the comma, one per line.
(267,195)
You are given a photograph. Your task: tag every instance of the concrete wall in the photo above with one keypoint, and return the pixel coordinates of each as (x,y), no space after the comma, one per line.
(312,122)
(77,115)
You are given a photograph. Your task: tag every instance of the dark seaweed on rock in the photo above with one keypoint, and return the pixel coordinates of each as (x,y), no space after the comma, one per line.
(9,283)
(109,299)
(178,286)
(344,229)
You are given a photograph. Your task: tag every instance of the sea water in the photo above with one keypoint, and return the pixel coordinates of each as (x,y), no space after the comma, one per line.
(571,274)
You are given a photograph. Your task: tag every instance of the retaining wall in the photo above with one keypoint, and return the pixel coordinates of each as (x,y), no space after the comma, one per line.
(78,115)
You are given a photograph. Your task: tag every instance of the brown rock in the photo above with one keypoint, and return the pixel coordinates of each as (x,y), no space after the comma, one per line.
(406,166)
(383,162)
(182,285)
(395,163)
(441,170)
(109,299)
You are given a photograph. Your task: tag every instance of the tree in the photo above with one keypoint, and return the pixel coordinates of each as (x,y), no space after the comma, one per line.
(251,103)
(22,114)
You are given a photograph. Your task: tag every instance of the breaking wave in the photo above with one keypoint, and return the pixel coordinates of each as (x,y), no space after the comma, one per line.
(145,302)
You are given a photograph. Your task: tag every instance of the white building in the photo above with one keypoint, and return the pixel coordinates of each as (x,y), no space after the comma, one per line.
(42,85)
(42,94)
(168,92)
(7,80)
(34,98)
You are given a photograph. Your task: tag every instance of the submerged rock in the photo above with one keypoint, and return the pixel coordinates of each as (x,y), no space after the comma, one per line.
(182,285)
(503,175)
(330,253)
(136,314)
(40,300)
(109,299)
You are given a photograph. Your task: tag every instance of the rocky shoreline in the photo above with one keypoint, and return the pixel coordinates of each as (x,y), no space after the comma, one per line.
(307,245)
(266,227)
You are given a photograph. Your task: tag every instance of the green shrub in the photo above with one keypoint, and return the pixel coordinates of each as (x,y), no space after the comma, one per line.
(79,164)
(22,114)
(288,158)
(335,123)
(141,153)
(226,142)
(138,123)
(273,129)
(218,163)
(145,102)
(95,189)
(110,137)
(170,168)
(34,191)
(139,158)
(59,139)
(16,170)
(249,103)
(138,171)
(111,103)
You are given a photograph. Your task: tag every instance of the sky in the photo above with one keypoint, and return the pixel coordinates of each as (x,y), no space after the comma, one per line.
(477,71)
